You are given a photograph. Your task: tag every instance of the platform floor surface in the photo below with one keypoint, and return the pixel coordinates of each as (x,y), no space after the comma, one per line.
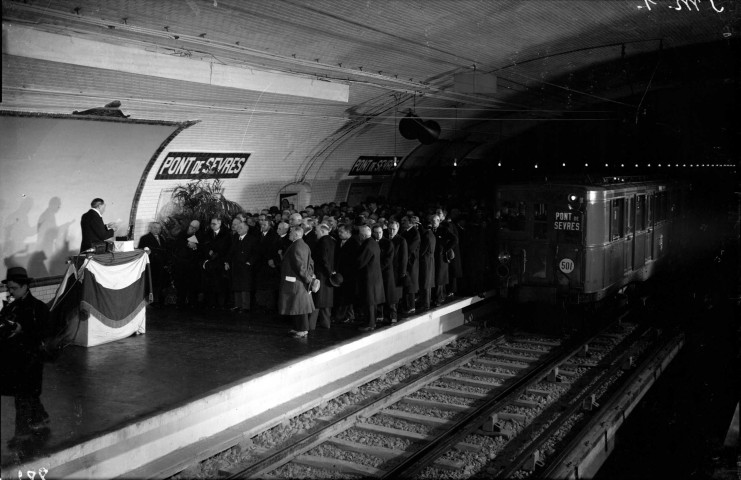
(184,354)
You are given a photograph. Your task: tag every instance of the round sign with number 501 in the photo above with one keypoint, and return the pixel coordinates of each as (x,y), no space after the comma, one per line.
(566,265)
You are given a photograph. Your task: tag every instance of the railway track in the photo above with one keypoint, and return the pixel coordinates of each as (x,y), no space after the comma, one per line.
(492,409)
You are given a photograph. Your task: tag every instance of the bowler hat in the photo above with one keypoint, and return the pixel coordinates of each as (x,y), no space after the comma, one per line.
(16,274)
(336,279)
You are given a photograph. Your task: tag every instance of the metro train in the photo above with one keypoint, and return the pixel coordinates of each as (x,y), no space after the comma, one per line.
(579,242)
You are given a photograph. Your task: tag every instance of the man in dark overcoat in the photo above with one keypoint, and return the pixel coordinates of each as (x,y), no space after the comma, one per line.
(345,259)
(92,226)
(455,266)
(400,268)
(267,270)
(426,266)
(443,244)
(215,251)
(411,235)
(323,253)
(370,281)
(284,240)
(296,274)
(154,244)
(186,265)
(241,260)
(383,310)
(24,324)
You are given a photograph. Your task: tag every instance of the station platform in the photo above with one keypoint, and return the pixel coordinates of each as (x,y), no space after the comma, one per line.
(191,364)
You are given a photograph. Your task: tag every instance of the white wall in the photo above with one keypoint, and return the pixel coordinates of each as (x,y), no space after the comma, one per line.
(52,168)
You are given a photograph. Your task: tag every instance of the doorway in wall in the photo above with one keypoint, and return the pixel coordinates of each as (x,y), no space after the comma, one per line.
(287,199)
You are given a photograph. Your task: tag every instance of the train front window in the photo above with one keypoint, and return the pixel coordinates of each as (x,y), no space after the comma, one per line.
(540,221)
(512,215)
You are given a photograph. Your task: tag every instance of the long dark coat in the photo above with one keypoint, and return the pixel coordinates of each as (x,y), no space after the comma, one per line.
(400,267)
(21,368)
(455,266)
(345,262)
(323,255)
(370,280)
(283,243)
(186,262)
(267,277)
(413,239)
(158,255)
(296,270)
(215,249)
(387,269)
(242,261)
(427,259)
(443,242)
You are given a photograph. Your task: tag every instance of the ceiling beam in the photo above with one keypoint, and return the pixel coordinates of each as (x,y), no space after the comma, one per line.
(40,45)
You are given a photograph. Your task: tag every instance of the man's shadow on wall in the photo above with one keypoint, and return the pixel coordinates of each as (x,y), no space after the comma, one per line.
(43,252)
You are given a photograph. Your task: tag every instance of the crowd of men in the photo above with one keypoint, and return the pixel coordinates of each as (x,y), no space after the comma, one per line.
(325,264)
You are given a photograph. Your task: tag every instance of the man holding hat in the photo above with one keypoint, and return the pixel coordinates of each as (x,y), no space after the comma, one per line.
(24,321)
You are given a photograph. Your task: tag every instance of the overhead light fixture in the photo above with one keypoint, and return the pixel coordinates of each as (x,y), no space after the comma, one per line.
(412,127)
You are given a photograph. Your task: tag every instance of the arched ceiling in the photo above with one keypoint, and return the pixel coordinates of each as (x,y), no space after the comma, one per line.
(552,60)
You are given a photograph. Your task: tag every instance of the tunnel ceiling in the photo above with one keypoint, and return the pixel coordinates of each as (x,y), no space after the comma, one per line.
(553,60)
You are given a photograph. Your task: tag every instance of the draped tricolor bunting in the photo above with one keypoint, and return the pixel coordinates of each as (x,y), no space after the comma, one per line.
(105,297)
(114,294)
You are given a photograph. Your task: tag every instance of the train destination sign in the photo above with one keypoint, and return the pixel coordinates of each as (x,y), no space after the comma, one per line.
(567,221)
(373,165)
(180,165)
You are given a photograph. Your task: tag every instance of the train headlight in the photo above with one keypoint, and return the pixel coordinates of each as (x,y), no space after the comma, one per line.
(574,201)
(504,258)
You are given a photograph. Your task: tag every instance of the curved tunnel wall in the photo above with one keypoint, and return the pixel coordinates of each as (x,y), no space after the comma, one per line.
(280,133)
(52,167)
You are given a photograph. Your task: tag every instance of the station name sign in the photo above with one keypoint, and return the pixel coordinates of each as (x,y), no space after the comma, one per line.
(180,165)
(567,221)
(373,165)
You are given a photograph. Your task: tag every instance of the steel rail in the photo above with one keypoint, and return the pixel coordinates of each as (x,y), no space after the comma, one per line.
(348,420)
(605,369)
(414,463)
(554,467)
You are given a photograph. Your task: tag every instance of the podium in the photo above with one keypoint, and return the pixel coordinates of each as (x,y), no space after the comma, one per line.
(103,297)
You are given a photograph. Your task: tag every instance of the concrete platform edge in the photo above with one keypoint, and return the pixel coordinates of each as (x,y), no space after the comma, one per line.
(135,445)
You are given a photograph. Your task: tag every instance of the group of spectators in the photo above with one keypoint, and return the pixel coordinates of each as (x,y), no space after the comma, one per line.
(330,263)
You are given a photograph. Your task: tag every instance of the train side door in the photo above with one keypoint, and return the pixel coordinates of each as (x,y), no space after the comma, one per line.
(649,247)
(629,239)
(640,244)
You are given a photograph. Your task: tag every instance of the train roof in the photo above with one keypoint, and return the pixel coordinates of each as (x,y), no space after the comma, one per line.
(596,182)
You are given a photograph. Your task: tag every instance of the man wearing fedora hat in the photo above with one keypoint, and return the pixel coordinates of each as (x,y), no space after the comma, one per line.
(24,320)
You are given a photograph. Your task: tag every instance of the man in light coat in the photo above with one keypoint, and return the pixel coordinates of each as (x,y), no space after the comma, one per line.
(296,275)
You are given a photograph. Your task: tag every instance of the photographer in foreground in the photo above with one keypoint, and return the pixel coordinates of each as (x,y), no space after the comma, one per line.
(22,324)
